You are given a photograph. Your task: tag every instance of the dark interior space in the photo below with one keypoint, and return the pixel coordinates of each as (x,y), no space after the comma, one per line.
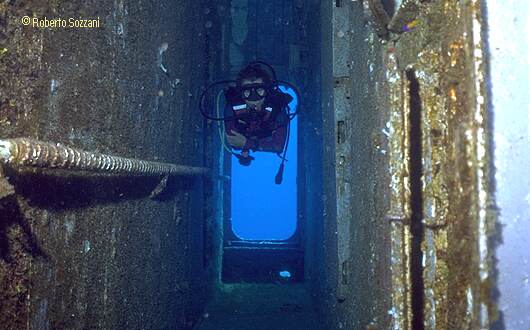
(305,48)
(126,204)
(135,250)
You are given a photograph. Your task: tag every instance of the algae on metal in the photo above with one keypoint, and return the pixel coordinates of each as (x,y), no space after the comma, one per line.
(445,53)
(399,209)
(68,242)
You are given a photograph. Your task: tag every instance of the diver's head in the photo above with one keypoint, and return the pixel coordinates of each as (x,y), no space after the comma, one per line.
(254,84)
(253,91)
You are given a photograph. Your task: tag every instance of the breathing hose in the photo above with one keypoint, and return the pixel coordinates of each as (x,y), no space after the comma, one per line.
(221,127)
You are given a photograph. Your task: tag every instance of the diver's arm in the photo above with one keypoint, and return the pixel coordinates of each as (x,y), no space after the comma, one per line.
(237,140)
(229,128)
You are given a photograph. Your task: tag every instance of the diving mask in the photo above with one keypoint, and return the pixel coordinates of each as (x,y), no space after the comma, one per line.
(253,92)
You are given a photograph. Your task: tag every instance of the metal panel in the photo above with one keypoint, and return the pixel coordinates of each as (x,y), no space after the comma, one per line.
(445,52)
(342,43)
(342,107)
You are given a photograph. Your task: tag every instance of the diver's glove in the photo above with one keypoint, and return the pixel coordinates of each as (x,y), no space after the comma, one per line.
(244,158)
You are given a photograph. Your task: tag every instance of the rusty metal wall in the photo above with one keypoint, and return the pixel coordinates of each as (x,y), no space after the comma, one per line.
(95,252)
(81,255)
(437,238)
(355,279)
(310,178)
(435,60)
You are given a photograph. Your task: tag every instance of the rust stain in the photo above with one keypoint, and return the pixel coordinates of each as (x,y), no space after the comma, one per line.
(399,212)
(446,54)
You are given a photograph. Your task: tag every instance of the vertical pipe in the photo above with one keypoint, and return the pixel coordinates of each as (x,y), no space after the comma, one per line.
(416,200)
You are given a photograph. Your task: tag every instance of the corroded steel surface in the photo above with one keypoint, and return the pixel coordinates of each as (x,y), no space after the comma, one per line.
(91,251)
(399,213)
(445,52)
(30,152)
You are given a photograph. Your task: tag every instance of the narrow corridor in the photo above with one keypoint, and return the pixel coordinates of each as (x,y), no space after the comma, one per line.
(405,198)
(260,307)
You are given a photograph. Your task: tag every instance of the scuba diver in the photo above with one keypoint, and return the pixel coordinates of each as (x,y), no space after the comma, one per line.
(260,114)
(257,115)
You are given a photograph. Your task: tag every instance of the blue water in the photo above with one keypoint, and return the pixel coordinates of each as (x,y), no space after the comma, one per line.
(261,209)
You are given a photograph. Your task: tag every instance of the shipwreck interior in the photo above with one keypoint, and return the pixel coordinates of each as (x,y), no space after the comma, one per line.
(122,207)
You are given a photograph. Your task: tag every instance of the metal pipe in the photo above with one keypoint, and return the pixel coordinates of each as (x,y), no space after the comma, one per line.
(34,153)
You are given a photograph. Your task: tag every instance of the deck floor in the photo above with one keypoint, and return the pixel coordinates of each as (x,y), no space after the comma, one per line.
(260,306)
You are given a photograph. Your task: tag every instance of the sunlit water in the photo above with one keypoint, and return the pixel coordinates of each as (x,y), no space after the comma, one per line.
(261,209)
